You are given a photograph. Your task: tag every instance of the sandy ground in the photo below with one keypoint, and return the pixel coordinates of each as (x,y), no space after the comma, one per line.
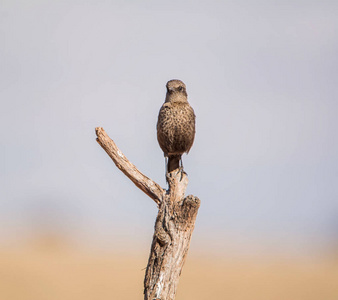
(62,275)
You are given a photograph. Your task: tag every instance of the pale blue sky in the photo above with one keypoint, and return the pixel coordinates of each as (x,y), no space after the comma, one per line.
(261,75)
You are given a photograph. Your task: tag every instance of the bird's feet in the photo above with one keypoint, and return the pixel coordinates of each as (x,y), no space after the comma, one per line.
(181,170)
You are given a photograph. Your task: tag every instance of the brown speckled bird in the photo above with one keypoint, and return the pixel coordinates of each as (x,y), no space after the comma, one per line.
(176,124)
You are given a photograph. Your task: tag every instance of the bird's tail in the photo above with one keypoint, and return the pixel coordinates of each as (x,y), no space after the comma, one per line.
(173,162)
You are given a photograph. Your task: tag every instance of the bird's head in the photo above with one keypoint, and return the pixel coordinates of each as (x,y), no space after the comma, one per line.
(176,91)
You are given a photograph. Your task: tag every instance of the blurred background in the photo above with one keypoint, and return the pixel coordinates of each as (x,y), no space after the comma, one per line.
(262,78)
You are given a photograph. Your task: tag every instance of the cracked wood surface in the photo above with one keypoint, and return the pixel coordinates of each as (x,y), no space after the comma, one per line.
(173,229)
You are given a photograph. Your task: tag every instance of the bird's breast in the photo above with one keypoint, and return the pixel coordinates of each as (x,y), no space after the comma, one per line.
(176,128)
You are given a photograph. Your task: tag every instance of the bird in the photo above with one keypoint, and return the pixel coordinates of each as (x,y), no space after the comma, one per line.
(175,125)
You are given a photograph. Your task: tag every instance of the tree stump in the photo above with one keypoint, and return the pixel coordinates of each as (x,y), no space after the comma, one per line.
(173,227)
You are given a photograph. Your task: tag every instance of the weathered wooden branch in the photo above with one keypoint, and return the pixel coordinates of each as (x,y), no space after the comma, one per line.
(173,227)
(151,188)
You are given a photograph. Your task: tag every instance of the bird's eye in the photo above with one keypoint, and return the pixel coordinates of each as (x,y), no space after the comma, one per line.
(180,88)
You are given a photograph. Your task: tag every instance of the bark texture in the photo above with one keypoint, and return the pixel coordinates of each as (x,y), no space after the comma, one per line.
(173,227)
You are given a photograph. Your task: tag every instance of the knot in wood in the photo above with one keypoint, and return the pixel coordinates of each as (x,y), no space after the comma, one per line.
(162,237)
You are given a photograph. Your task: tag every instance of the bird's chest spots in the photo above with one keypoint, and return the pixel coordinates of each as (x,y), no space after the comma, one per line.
(177,116)
(174,121)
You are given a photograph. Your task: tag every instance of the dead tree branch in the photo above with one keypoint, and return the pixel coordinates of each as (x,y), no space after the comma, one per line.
(151,188)
(173,227)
